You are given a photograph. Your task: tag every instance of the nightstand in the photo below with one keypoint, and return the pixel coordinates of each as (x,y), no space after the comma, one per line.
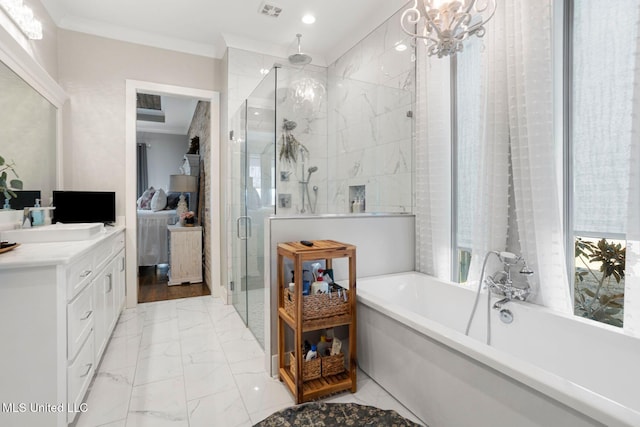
(185,255)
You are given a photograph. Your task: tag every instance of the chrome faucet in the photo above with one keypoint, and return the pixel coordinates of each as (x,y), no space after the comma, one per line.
(500,283)
(26,216)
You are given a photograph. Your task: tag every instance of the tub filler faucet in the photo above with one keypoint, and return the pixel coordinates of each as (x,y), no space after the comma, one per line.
(500,283)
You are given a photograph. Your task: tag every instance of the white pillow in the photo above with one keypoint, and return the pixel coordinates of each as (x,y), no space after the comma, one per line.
(144,202)
(159,200)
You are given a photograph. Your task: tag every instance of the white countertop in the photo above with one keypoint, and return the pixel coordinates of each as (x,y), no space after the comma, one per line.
(44,254)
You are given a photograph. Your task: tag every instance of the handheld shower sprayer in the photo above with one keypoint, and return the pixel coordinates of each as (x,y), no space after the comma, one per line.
(311,170)
(305,190)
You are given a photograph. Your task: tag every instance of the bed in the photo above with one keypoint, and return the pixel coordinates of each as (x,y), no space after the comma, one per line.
(153,247)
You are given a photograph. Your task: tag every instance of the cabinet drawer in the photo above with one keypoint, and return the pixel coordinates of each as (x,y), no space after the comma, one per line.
(79,274)
(80,320)
(103,253)
(79,375)
(118,242)
(106,250)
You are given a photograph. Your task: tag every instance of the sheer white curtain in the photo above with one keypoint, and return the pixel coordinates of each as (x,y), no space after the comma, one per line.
(484,140)
(528,36)
(604,63)
(632,226)
(512,99)
(433,166)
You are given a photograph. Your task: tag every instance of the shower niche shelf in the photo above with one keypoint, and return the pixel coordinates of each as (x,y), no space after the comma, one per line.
(322,385)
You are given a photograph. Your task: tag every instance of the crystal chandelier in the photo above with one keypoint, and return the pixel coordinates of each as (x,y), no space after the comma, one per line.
(447,23)
(23,17)
(307,94)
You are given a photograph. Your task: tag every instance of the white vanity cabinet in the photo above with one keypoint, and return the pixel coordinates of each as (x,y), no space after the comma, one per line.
(59,303)
(109,298)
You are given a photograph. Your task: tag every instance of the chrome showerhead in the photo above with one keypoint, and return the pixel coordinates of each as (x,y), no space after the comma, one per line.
(299,58)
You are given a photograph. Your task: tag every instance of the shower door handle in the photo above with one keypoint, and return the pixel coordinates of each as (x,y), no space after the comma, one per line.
(248,221)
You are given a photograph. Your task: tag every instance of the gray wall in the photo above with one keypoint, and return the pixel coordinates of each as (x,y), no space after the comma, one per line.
(165,154)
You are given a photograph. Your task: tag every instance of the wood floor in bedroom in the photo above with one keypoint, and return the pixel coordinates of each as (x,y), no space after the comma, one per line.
(153,286)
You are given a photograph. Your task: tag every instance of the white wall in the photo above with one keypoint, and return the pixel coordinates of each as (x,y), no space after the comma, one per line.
(165,154)
(93,72)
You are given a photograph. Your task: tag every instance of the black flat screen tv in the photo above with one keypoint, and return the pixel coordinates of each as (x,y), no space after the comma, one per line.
(84,206)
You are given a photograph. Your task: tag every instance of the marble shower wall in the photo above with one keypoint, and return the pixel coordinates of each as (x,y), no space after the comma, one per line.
(371,99)
(354,117)
(301,96)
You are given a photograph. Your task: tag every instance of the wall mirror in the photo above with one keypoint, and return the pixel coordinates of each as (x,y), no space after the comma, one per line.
(28,133)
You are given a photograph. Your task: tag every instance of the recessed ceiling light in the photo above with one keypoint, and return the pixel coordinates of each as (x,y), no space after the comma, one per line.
(256,113)
(308,19)
(264,71)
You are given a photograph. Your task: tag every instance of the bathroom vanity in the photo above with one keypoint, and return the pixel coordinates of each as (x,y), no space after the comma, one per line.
(59,304)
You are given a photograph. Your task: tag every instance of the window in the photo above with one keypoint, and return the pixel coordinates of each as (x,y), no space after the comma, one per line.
(601,65)
(468,104)
(602,62)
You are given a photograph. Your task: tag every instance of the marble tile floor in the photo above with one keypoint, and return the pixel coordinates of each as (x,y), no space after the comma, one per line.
(192,362)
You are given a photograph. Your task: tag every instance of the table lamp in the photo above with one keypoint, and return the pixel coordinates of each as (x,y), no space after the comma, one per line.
(182,184)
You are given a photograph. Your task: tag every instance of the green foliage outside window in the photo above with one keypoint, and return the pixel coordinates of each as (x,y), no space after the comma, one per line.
(598,266)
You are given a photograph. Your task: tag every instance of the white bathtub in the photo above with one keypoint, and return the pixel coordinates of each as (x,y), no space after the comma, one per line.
(544,369)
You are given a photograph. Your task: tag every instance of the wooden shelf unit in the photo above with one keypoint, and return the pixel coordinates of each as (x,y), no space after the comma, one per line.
(326,250)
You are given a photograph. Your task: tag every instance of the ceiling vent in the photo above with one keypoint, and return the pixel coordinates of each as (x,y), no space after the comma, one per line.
(149,108)
(270,9)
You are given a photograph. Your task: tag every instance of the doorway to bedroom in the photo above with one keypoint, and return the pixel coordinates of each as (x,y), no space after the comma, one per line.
(170,195)
(210,207)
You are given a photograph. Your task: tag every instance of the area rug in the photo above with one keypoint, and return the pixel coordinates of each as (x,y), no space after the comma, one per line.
(321,414)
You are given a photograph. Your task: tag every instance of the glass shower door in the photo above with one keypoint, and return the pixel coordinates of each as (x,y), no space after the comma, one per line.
(239,235)
(253,171)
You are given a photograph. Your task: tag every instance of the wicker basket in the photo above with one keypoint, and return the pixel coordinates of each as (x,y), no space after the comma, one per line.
(310,370)
(332,365)
(319,306)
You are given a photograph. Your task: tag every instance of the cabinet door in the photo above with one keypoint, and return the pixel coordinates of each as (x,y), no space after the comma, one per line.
(186,257)
(110,297)
(100,330)
(105,308)
(120,282)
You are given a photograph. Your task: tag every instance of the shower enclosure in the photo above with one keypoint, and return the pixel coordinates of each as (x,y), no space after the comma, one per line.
(314,140)
(296,97)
